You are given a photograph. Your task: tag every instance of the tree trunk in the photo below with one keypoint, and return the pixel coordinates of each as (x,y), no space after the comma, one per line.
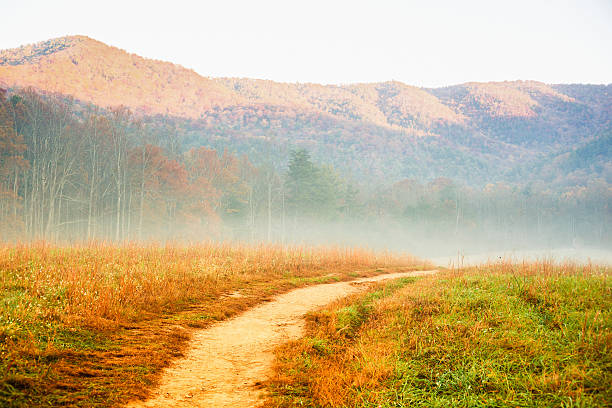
(269,211)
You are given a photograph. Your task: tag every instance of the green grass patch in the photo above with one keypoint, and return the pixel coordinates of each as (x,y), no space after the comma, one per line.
(532,335)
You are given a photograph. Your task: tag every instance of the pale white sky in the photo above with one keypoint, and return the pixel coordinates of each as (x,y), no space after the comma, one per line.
(424,43)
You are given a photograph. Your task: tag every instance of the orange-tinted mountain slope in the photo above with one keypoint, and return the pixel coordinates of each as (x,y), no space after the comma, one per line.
(107,76)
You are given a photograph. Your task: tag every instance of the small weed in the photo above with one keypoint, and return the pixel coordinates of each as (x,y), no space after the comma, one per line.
(320,345)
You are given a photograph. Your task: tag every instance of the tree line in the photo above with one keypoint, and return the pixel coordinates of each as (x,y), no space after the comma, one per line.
(74,172)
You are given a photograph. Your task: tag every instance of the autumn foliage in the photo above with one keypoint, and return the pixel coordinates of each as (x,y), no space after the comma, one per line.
(472,132)
(85,174)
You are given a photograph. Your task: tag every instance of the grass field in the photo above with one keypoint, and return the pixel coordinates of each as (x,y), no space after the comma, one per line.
(497,335)
(93,325)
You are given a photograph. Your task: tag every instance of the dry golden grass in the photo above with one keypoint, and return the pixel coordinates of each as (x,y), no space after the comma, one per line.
(93,325)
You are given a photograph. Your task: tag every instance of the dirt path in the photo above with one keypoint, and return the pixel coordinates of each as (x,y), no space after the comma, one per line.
(226,362)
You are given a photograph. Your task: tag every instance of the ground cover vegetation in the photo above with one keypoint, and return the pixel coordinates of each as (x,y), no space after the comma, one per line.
(93,325)
(497,335)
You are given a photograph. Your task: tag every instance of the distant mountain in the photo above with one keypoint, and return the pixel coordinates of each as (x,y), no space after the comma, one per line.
(474,132)
(579,163)
(106,76)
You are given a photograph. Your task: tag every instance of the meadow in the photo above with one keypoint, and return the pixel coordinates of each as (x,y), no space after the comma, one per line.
(501,334)
(93,325)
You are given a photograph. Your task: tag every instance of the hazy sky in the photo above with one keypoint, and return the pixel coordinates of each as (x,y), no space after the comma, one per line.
(425,43)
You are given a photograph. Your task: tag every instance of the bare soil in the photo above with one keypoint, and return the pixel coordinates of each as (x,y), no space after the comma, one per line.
(226,364)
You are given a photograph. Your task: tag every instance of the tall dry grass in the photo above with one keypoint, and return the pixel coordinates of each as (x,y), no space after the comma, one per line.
(111,282)
(92,325)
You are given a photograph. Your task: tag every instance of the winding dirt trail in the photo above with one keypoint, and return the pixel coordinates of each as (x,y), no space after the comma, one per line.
(226,362)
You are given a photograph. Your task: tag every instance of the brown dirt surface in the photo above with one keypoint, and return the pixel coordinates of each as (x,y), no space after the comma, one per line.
(226,363)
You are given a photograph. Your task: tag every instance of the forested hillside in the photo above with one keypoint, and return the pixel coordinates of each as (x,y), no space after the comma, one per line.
(107,76)
(475,133)
(72,172)
(99,143)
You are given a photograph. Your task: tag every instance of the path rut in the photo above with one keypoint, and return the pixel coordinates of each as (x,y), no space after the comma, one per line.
(226,362)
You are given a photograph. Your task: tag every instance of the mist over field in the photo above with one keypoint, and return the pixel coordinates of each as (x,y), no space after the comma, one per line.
(143,150)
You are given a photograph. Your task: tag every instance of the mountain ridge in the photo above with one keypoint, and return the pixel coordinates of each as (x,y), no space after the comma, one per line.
(506,98)
(497,124)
